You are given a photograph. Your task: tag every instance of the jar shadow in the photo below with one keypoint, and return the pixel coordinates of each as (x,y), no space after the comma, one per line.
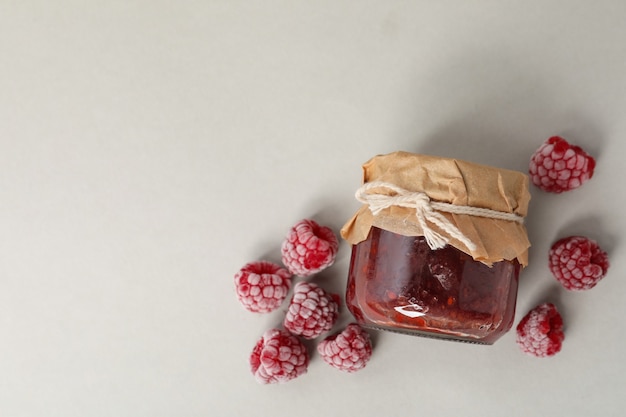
(494,142)
(496,107)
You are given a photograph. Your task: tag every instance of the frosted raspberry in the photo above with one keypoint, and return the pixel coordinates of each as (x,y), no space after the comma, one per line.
(558,166)
(578,262)
(540,332)
(312,311)
(262,286)
(309,248)
(347,351)
(278,357)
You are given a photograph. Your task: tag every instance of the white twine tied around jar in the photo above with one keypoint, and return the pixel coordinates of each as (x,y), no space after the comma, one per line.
(427,211)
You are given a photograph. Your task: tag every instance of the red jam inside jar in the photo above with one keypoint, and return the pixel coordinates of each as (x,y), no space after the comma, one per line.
(398,283)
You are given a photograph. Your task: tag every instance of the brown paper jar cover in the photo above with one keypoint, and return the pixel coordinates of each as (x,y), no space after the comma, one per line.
(456,182)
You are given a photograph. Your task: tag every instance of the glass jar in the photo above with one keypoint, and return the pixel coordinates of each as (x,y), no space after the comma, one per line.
(462,289)
(398,283)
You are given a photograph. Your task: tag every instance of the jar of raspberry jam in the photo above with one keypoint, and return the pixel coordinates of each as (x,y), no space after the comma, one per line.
(437,247)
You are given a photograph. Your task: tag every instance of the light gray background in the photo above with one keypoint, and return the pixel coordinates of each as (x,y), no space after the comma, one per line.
(151,148)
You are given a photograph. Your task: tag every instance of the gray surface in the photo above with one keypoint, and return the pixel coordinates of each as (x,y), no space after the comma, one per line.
(150,149)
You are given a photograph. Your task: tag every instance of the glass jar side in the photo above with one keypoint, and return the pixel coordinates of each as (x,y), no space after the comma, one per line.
(398,283)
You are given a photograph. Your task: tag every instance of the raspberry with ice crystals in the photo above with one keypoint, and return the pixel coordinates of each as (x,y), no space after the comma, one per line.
(312,311)
(309,248)
(347,351)
(278,357)
(540,332)
(558,166)
(262,286)
(578,263)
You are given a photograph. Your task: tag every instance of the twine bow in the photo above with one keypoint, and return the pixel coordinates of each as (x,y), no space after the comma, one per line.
(427,211)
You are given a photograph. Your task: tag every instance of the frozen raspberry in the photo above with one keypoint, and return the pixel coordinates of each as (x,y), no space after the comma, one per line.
(309,248)
(312,311)
(347,351)
(578,262)
(558,166)
(278,357)
(262,286)
(540,332)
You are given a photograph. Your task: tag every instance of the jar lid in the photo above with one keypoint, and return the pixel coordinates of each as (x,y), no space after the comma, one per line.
(445,182)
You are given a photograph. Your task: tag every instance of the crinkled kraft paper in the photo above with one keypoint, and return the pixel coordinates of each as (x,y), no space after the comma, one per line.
(457,182)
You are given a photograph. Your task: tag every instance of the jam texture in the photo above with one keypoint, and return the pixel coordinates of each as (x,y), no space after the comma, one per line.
(398,283)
